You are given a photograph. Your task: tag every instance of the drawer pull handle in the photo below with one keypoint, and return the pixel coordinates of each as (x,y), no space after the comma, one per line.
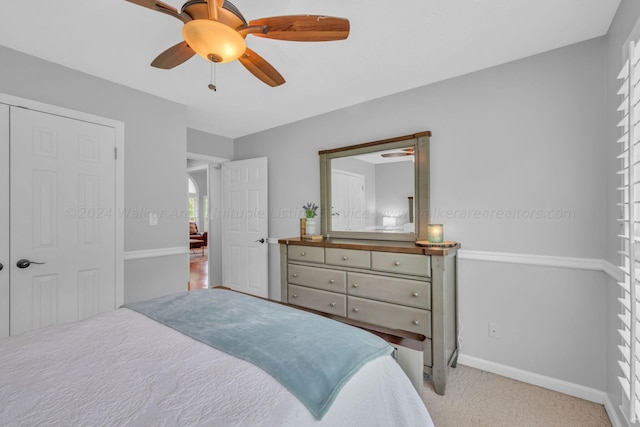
(333,304)
(356,310)
(303,253)
(295,274)
(415,294)
(415,322)
(332,281)
(345,258)
(396,263)
(294,296)
(355,285)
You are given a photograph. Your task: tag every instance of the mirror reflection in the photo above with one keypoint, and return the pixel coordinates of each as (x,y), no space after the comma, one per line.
(374,192)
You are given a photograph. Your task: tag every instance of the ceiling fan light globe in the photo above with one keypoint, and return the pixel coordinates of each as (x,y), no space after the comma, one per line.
(212,39)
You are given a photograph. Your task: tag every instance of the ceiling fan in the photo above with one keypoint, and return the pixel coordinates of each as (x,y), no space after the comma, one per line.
(404,152)
(216,30)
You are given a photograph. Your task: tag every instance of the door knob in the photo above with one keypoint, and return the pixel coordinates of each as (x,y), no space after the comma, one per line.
(260,241)
(24,263)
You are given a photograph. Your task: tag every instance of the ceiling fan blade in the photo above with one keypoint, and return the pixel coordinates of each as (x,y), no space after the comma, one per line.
(261,68)
(162,7)
(304,28)
(173,56)
(153,4)
(398,154)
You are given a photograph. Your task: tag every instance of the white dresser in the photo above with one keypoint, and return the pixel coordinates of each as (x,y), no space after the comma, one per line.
(397,285)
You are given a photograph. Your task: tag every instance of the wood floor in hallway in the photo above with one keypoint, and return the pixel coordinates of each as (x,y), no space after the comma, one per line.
(198,270)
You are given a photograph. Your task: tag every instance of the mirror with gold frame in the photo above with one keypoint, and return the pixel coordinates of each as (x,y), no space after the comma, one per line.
(376,190)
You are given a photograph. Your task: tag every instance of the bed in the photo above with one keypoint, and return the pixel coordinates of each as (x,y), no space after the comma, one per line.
(126,368)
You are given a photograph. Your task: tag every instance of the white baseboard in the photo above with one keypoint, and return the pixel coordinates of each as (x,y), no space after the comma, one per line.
(593,264)
(576,390)
(612,413)
(153,253)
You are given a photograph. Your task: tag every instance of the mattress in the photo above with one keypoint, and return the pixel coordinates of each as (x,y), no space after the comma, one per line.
(124,369)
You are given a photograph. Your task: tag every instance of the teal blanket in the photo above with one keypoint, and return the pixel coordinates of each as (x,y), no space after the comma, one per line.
(312,356)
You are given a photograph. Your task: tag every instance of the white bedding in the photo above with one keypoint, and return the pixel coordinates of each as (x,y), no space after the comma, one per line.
(123,369)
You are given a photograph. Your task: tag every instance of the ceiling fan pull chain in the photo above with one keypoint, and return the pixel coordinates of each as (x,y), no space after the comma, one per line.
(212,85)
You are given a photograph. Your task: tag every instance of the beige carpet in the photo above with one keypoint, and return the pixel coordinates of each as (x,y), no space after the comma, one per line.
(481,399)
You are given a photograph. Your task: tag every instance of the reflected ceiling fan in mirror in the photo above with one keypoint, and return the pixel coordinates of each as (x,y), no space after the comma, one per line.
(404,152)
(216,30)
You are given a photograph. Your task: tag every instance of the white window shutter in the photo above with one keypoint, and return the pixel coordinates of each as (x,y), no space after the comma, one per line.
(629,203)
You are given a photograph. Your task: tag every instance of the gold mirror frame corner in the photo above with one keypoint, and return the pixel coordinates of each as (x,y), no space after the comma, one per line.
(421,143)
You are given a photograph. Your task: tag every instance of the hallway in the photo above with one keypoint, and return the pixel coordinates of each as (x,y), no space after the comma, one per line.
(198,269)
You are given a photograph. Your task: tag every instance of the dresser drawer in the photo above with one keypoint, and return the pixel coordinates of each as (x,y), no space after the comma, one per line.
(321,278)
(416,265)
(390,315)
(348,257)
(306,253)
(400,291)
(315,299)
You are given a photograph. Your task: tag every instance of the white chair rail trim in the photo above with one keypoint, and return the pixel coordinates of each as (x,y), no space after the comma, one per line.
(154,253)
(543,260)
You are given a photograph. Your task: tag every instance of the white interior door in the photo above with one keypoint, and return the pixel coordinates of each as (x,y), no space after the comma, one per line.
(347,196)
(4,220)
(245,226)
(62,206)
(339,198)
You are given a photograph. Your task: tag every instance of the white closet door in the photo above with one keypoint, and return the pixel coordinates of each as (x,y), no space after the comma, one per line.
(4,220)
(62,214)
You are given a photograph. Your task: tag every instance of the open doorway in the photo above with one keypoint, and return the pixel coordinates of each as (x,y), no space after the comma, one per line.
(198,208)
(203,184)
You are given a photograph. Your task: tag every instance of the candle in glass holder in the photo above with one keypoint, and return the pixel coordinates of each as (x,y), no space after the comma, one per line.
(435,233)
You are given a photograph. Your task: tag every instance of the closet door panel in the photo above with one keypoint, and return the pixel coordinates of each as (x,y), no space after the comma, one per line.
(4,220)
(62,214)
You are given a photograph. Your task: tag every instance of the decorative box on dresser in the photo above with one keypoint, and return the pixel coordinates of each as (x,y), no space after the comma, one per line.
(393,284)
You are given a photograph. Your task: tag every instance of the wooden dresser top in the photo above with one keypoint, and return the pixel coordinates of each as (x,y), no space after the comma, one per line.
(372,245)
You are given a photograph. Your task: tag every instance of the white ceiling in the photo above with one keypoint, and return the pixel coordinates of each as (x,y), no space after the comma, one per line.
(393,46)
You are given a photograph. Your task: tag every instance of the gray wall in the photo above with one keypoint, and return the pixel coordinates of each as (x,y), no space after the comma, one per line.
(510,144)
(624,21)
(395,182)
(208,144)
(155,167)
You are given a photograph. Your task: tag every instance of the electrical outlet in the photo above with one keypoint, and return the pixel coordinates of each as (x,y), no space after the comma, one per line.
(494,330)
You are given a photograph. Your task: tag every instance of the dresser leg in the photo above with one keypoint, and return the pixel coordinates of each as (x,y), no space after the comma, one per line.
(443,318)
(439,381)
